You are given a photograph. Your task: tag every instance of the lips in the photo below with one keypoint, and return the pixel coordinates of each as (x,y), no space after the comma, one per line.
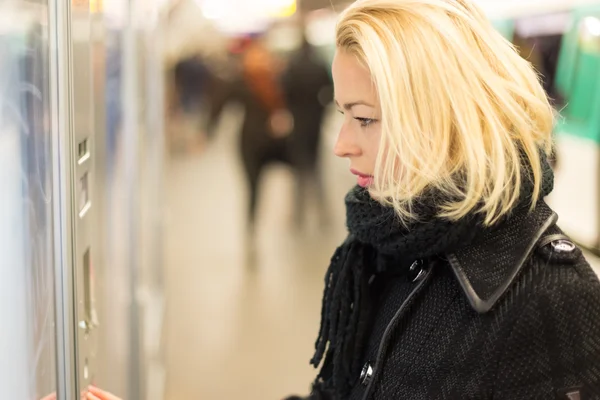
(362,180)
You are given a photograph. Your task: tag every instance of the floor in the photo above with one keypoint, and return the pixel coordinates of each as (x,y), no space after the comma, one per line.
(233,331)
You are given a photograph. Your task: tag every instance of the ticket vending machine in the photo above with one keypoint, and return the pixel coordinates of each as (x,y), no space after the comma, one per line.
(109,143)
(80,145)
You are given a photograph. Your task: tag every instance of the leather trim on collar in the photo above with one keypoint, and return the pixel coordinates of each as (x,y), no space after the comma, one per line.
(486,269)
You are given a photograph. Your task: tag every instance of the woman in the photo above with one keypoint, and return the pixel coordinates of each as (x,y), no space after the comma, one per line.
(455,281)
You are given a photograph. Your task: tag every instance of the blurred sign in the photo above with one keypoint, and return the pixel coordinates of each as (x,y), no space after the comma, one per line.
(243,16)
(96,6)
(115,13)
(283,9)
(543,25)
(496,9)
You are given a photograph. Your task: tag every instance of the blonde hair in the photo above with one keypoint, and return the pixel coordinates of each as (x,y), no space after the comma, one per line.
(461,110)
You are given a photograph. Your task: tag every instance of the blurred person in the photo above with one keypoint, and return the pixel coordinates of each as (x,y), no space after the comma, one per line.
(455,281)
(190,75)
(266,124)
(307,88)
(192,81)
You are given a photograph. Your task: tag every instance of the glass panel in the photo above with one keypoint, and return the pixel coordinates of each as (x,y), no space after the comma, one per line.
(126,193)
(27,336)
(151,130)
(112,235)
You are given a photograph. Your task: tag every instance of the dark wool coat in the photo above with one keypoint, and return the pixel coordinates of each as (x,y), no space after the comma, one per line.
(514,316)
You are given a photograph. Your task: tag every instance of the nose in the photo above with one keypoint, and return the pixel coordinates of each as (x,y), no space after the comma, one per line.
(346,145)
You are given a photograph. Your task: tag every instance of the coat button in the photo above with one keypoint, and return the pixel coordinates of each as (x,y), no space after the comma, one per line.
(366,374)
(562,246)
(417,270)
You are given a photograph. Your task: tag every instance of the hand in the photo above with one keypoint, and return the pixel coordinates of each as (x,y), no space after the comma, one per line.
(53,396)
(97,394)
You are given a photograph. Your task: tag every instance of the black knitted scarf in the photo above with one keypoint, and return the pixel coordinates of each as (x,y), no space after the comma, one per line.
(378,242)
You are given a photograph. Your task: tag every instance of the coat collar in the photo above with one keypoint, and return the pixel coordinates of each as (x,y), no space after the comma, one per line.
(487,268)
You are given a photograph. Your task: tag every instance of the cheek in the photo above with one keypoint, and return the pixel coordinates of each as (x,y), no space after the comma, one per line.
(373,143)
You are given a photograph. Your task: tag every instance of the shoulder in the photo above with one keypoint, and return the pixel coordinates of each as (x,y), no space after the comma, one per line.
(553,345)
(562,281)
(558,278)
(523,256)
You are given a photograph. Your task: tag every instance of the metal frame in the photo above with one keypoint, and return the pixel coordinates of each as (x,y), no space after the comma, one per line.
(82,208)
(62,130)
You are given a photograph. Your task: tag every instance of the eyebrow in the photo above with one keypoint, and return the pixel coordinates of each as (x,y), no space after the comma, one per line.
(348,106)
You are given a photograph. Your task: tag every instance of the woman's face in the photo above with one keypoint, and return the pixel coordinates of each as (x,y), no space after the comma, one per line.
(356,98)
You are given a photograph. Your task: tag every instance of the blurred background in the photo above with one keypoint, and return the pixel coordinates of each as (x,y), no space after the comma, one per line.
(169,196)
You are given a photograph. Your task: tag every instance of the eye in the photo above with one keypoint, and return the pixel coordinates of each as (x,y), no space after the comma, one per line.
(364,122)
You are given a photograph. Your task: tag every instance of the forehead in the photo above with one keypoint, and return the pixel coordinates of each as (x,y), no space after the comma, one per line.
(352,80)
